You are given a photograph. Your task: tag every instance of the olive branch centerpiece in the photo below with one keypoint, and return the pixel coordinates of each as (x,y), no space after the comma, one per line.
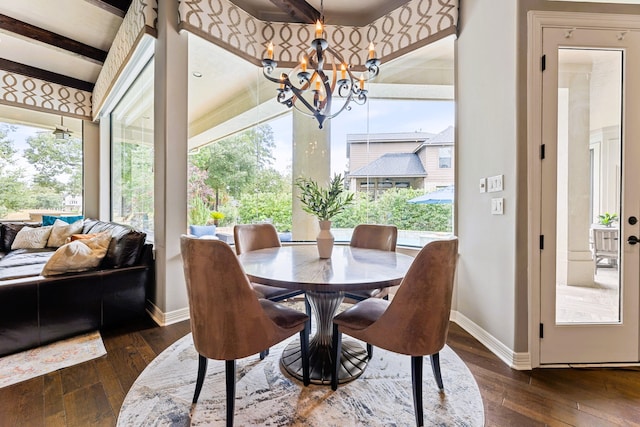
(324,203)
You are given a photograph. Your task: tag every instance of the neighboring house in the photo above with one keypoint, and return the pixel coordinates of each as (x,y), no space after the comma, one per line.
(72,203)
(381,161)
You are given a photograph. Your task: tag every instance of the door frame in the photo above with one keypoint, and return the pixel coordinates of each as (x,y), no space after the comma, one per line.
(537,20)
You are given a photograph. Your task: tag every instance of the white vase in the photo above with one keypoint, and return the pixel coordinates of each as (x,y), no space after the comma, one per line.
(325,239)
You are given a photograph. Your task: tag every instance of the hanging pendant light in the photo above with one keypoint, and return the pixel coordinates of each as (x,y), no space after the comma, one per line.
(61,132)
(314,91)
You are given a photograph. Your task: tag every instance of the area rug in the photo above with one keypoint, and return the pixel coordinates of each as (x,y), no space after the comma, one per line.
(267,396)
(48,358)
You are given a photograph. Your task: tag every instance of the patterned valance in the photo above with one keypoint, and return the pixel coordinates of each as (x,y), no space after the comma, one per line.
(35,94)
(140,20)
(415,24)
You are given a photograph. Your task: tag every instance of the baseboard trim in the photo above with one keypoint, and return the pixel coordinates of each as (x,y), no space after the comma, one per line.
(519,361)
(166,319)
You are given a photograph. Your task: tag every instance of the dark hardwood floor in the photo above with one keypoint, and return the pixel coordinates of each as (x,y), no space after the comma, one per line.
(92,393)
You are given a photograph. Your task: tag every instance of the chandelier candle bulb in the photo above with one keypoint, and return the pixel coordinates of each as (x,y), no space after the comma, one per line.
(372,51)
(303,64)
(343,72)
(270,50)
(362,81)
(318,29)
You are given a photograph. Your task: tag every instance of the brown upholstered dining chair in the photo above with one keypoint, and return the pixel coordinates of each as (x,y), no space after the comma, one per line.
(415,322)
(373,236)
(228,321)
(251,237)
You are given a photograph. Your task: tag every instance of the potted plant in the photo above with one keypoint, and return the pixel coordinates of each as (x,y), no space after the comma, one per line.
(324,204)
(216,217)
(607,219)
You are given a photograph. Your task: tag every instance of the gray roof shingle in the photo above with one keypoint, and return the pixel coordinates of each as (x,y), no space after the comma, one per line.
(444,137)
(390,165)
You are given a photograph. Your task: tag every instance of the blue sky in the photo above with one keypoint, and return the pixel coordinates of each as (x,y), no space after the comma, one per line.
(377,116)
(19,138)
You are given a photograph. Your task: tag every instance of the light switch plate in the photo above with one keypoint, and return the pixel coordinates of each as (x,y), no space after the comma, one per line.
(494,183)
(497,206)
(483,185)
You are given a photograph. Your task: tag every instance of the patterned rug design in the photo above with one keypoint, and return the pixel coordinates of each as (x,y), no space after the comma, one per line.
(48,358)
(267,396)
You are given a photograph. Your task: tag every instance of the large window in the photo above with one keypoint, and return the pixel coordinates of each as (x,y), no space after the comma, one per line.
(132,155)
(386,151)
(393,150)
(241,179)
(247,177)
(40,165)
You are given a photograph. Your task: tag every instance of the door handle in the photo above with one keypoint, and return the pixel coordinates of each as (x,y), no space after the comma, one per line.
(632,240)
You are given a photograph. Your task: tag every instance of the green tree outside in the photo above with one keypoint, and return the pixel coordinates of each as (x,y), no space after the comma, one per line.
(58,162)
(233,165)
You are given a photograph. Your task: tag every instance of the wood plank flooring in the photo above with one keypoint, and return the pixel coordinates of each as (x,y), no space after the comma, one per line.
(91,394)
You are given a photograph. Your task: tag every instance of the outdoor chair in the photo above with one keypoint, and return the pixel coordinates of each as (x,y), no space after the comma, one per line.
(605,247)
(415,322)
(228,321)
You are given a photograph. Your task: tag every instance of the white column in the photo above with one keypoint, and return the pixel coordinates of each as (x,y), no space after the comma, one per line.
(170,177)
(311,159)
(580,267)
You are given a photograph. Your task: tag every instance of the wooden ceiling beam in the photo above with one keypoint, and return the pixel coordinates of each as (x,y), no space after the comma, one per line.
(299,10)
(28,31)
(38,73)
(116,7)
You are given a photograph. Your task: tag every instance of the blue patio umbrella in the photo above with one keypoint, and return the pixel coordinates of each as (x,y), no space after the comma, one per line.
(438,197)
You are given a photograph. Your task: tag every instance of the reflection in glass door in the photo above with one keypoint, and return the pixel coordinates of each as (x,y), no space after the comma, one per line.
(588,186)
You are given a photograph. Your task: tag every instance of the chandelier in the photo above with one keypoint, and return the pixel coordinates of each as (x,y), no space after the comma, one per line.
(311,89)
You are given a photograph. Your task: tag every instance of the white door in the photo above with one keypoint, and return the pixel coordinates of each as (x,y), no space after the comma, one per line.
(590,171)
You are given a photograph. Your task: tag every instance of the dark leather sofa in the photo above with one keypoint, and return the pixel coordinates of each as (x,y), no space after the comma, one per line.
(36,310)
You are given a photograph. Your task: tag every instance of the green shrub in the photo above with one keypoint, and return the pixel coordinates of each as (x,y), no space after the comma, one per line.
(199,212)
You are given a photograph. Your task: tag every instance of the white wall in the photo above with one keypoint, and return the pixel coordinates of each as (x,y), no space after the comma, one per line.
(491,93)
(486,126)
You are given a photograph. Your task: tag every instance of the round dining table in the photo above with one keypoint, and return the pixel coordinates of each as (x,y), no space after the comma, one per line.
(325,282)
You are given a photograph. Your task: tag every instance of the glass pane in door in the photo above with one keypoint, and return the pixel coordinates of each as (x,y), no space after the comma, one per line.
(588,186)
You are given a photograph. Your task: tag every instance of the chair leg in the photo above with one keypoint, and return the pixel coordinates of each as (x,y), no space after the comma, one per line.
(304,347)
(264,354)
(369,351)
(435,367)
(416,380)
(336,350)
(202,370)
(230,371)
